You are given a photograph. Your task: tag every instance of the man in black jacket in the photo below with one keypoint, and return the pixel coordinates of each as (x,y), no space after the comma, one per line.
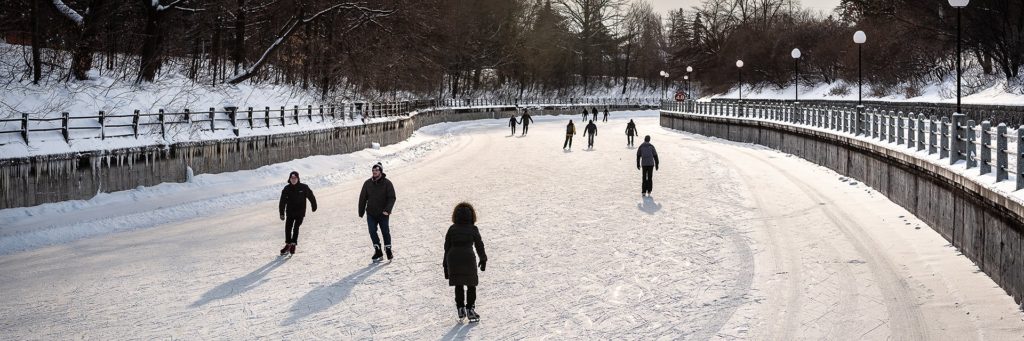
(526,120)
(292,207)
(647,158)
(590,131)
(376,200)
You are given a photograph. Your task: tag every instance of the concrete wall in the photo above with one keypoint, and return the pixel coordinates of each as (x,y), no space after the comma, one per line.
(52,178)
(985,226)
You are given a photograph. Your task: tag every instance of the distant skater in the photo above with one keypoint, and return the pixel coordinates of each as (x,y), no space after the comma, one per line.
(292,208)
(630,132)
(647,159)
(460,261)
(585,114)
(570,130)
(593,110)
(512,124)
(590,131)
(605,114)
(526,120)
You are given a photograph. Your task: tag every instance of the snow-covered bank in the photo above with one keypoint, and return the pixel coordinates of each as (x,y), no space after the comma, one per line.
(995,94)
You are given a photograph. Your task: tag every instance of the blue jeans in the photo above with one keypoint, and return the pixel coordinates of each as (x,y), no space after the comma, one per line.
(381,220)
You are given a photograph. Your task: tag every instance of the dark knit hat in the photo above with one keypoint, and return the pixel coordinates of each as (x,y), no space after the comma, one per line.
(296,174)
(378,166)
(647,138)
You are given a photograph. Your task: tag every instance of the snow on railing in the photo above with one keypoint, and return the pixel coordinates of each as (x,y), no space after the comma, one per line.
(953,138)
(106,125)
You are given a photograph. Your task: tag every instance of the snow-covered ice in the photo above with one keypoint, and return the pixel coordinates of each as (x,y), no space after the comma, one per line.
(738,241)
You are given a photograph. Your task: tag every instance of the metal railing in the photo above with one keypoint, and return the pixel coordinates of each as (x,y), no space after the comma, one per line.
(953,138)
(105,125)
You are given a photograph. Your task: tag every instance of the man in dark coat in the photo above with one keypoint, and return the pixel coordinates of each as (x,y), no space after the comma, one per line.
(376,200)
(526,119)
(292,207)
(570,131)
(590,131)
(585,113)
(594,111)
(605,114)
(459,260)
(630,132)
(647,158)
(512,124)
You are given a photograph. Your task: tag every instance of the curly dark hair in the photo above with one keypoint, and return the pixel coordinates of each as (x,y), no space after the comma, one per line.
(464,214)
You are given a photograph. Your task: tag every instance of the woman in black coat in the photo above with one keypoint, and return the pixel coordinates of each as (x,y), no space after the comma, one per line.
(459,260)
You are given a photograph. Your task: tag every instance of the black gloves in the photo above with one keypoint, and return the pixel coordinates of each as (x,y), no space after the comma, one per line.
(314,208)
(282,217)
(483,265)
(655,167)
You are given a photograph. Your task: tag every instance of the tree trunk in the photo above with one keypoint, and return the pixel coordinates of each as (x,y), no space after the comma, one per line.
(81,60)
(239,52)
(151,58)
(37,37)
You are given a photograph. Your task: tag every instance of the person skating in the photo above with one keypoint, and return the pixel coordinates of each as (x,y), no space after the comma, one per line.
(647,158)
(570,130)
(590,131)
(376,200)
(630,132)
(585,114)
(460,262)
(526,119)
(594,111)
(512,124)
(605,114)
(292,207)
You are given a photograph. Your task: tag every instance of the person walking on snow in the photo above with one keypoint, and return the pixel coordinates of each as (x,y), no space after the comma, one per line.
(376,200)
(647,158)
(594,111)
(630,132)
(585,114)
(526,119)
(590,131)
(570,130)
(605,114)
(512,124)
(292,207)
(459,261)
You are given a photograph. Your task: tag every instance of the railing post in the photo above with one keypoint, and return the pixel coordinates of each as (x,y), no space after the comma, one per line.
(309,112)
(910,130)
(1001,153)
(163,126)
(920,132)
(188,116)
(251,123)
(233,116)
(24,127)
(213,119)
(986,147)
(944,139)
(103,125)
(295,114)
(875,124)
(932,135)
(135,123)
(955,137)
(1020,158)
(322,118)
(64,118)
(266,116)
(970,153)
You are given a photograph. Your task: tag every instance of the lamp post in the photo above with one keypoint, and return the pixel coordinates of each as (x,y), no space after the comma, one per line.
(739,69)
(688,70)
(665,84)
(796,79)
(958,4)
(859,37)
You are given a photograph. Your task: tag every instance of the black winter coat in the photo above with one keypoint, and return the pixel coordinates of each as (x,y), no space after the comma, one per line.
(591,129)
(459,259)
(631,129)
(376,197)
(293,200)
(526,119)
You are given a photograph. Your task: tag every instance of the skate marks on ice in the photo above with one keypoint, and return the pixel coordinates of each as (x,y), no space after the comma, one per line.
(240,285)
(322,298)
(459,331)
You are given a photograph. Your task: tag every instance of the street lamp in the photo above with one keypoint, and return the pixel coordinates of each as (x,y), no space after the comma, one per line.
(665,86)
(796,79)
(688,70)
(739,68)
(859,37)
(958,4)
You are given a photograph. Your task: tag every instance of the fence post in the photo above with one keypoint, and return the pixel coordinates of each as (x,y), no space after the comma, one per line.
(1001,153)
(64,118)
(251,124)
(1020,158)
(103,125)
(986,147)
(920,132)
(284,121)
(970,153)
(309,112)
(956,150)
(932,135)
(322,118)
(233,115)
(163,127)
(944,139)
(213,120)
(135,123)
(24,127)
(910,130)
(188,116)
(295,114)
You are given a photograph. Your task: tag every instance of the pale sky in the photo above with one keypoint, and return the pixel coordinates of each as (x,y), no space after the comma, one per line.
(663,6)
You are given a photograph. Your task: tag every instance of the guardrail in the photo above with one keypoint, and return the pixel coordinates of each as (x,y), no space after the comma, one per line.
(954,138)
(107,125)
